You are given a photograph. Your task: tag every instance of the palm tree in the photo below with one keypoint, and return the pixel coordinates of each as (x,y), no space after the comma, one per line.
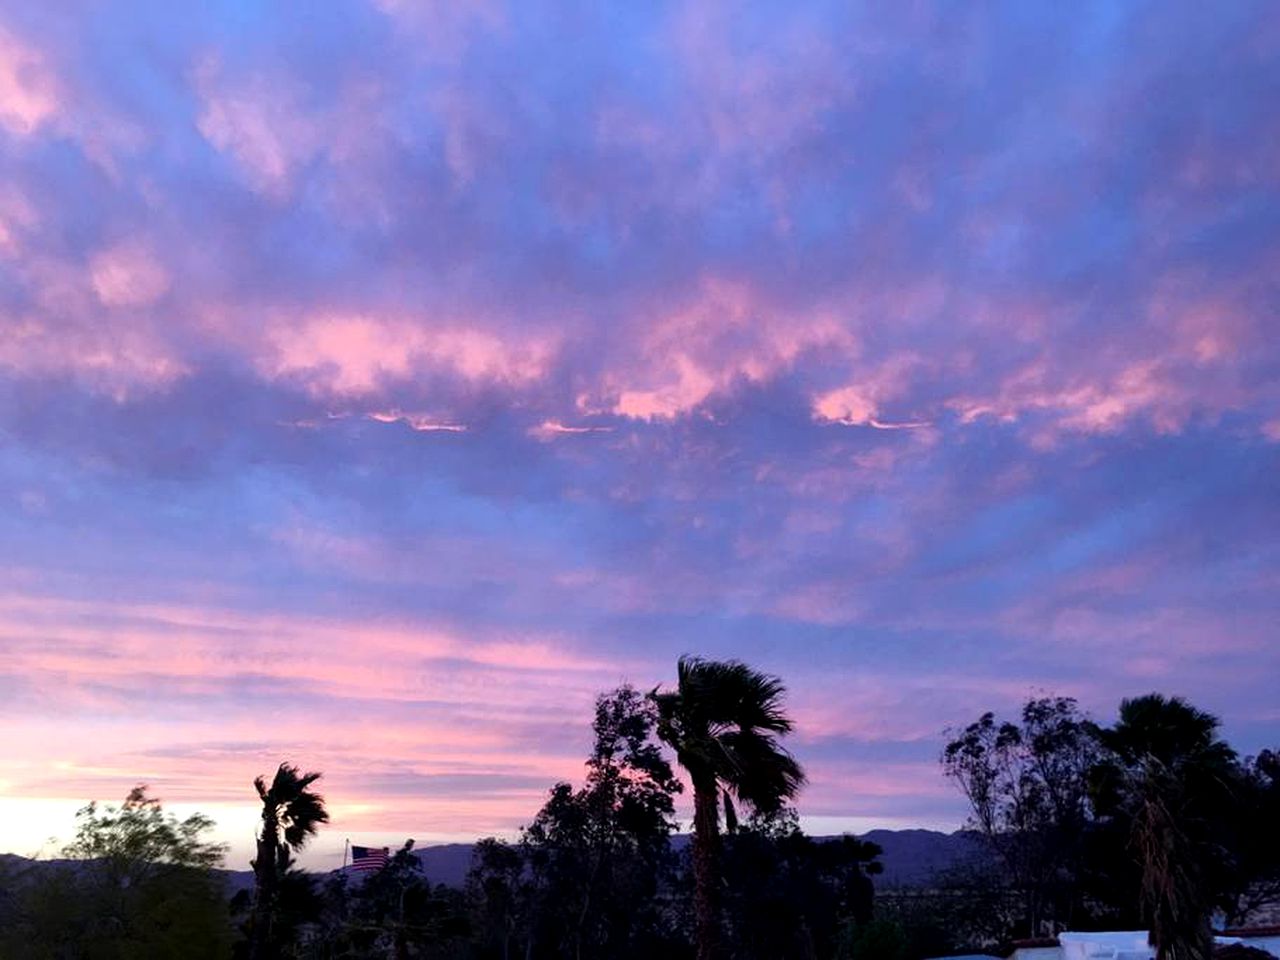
(291,815)
(1170,776)
(723,719)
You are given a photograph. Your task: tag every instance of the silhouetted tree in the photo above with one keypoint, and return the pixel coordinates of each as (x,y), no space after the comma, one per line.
(495,888)
(292,814)
(299,905)
(1171,779)
(1027,787)
(723,719)
(789,896)
(141,885)
(394,912)
(1256,840)
(596,855)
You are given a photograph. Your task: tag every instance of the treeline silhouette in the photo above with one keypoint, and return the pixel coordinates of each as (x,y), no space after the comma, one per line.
(1153,821)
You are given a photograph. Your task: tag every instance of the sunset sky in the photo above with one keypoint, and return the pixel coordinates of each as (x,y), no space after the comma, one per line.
(381,380)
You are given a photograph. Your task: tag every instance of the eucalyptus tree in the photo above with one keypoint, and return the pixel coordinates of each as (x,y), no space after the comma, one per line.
(1027,783)
(598,855)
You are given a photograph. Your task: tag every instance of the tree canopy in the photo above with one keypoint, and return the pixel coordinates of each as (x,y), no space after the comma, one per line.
(138,882)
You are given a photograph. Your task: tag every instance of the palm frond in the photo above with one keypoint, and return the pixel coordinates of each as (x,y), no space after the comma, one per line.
(723,720)
(297,808)
(730,693)
(730,814)
(759,771)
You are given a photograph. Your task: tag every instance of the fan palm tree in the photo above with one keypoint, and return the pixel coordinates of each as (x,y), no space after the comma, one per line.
(723,720)
(291,815)
(1170,776)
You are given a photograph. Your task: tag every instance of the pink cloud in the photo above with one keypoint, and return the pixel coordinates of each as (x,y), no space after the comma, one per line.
(62,327)
(874,350)
(119,363)
(849,405)
(552,429)
(387,703)
(414,778)
(875,385)
(349,355)
(17,215)
(902,704)
(128,275)
(722,333)
(28,89)
(419,422)
(1183,356)
(261,123)
(687,385)
(1086,402)
(200,648)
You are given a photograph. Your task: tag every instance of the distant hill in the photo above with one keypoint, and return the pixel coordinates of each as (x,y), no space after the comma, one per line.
(12,866)
(447,863)
(911,858)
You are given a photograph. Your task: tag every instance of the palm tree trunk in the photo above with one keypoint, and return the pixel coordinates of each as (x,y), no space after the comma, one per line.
(1178,902)
(261,946)
(706,866)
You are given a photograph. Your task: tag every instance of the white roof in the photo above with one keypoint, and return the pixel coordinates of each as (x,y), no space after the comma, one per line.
(1118,944)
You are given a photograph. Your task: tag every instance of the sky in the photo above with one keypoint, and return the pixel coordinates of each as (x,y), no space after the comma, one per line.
(380,381)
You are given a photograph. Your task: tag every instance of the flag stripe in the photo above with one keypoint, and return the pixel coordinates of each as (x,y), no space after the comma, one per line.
(369,858)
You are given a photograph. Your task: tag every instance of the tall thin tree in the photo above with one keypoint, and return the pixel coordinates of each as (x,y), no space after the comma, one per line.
(723,719)
(292,814)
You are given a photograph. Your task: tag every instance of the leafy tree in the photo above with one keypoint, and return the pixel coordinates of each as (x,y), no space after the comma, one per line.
(1170,780)
(1256,840)
(596,855)
(395,912)
(292,813)
(1027,784)
(495,891)
(138,839)
(790,896)
(140,884)
(723,720)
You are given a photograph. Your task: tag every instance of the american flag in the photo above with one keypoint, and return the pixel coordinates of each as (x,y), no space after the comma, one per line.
(369,858)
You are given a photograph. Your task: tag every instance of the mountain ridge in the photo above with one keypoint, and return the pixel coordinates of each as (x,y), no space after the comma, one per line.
(910,857)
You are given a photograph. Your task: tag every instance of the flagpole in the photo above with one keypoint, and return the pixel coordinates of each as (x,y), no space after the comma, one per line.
(345,847)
